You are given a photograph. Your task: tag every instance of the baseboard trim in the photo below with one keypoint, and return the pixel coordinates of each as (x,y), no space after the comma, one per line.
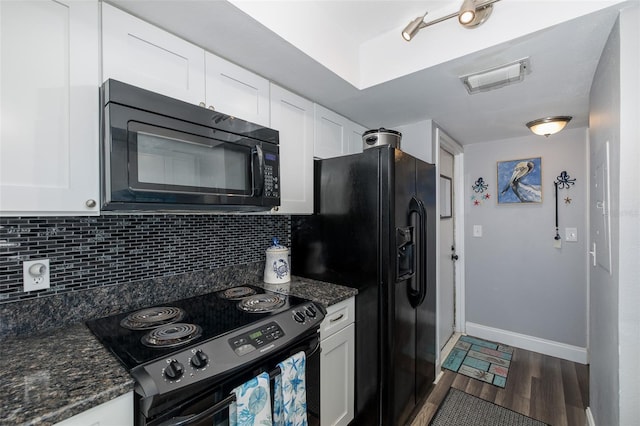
(590,420)
(535,344)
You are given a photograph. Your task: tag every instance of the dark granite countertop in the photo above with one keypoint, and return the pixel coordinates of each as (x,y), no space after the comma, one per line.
(324,293)
(45,380)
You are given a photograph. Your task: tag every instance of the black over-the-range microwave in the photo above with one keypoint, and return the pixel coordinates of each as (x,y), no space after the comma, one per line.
(160,153)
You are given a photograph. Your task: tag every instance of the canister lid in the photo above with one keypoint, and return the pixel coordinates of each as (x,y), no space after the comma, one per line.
(275,246)
(382,130)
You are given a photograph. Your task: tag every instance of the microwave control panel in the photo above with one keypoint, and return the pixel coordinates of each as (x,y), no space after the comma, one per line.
(271,175)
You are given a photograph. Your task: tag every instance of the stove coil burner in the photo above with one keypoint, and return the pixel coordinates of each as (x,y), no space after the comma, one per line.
(237,293)
(171,335)
(147,319)
(262,303)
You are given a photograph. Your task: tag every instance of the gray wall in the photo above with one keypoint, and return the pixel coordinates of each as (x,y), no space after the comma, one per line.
(615,318)
(515,279)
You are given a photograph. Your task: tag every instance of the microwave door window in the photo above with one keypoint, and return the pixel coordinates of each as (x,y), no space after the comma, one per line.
(190,164)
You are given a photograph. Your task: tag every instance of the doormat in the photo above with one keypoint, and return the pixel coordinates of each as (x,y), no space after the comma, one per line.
(461,409)
(480,359)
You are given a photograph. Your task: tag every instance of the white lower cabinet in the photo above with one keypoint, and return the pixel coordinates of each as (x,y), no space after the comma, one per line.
(337,364)
(117,412)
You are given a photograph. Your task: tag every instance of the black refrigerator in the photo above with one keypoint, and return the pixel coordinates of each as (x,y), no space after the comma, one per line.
(373,229)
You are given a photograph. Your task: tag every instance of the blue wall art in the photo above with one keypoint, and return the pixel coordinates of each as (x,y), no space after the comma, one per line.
(520,181)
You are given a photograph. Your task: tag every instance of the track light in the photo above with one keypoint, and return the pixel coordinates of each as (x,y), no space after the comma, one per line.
(413,27)
(549,125)
(470,15)
(467,12)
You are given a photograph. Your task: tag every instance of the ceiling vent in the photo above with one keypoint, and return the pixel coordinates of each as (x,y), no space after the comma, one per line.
(496,77)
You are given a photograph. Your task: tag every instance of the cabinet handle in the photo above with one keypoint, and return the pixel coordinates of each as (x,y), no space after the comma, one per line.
(212,108)
(202,104)
(90,203)
(275,208)
(338,318)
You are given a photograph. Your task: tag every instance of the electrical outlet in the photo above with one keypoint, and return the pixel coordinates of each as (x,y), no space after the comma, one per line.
(35,274)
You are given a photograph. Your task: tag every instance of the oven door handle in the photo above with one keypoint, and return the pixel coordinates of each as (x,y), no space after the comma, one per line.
(187,420)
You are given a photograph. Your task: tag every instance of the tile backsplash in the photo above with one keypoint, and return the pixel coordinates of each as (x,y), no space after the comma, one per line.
(90,252)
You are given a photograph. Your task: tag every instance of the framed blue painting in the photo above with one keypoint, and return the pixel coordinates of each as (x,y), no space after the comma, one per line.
(520,181)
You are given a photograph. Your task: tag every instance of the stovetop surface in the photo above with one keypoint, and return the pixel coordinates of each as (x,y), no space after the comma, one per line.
(216,316)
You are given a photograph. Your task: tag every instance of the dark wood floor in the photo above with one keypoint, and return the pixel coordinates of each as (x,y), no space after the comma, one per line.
(549,389)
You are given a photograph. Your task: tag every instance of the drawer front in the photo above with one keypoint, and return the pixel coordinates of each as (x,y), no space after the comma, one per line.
(338,317)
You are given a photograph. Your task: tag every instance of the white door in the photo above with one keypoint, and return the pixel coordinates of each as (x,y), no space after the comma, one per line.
(446,289)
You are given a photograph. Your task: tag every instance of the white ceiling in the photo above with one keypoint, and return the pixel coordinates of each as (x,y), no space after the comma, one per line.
(312,58)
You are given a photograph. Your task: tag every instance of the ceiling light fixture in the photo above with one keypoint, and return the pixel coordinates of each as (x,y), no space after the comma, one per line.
(471,14)
(496,77)
(549,125)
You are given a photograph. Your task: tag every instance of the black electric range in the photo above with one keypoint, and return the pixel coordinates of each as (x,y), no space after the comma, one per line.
(179,344)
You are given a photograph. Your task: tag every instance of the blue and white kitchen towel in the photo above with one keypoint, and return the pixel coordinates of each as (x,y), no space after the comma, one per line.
(253,403)
(290,392)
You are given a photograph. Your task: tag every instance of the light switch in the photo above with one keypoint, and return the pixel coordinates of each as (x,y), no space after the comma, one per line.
(477,231)
(571,235)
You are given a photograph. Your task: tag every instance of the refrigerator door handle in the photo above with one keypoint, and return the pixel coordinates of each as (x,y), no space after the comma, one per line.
(417,293)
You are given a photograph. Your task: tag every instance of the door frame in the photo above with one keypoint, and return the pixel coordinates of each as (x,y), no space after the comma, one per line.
(444,141)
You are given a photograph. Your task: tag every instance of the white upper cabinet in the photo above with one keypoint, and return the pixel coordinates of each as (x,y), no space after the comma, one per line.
(49,78)
(146,56)
(236,91)
(335,135)
(292,116)
(355,138)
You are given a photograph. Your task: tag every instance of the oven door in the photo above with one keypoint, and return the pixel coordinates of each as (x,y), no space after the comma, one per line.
(153,161)
(209,405)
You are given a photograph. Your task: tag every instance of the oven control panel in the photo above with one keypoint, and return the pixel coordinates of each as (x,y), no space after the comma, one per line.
(256,338)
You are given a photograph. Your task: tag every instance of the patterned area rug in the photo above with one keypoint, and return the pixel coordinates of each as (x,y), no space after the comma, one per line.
(480,359)
(462,409)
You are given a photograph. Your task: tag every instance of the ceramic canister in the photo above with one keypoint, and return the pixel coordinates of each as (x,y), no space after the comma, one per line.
(276,267)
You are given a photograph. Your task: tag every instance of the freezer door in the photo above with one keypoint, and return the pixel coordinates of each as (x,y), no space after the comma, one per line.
(340,244)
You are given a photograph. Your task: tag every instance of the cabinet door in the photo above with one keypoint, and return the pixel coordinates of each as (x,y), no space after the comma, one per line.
(330,133)
(337,377)
(49,107)
(292,116)
(355,138)
(335,135)
(146,56)
(236,91)
(118,411)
